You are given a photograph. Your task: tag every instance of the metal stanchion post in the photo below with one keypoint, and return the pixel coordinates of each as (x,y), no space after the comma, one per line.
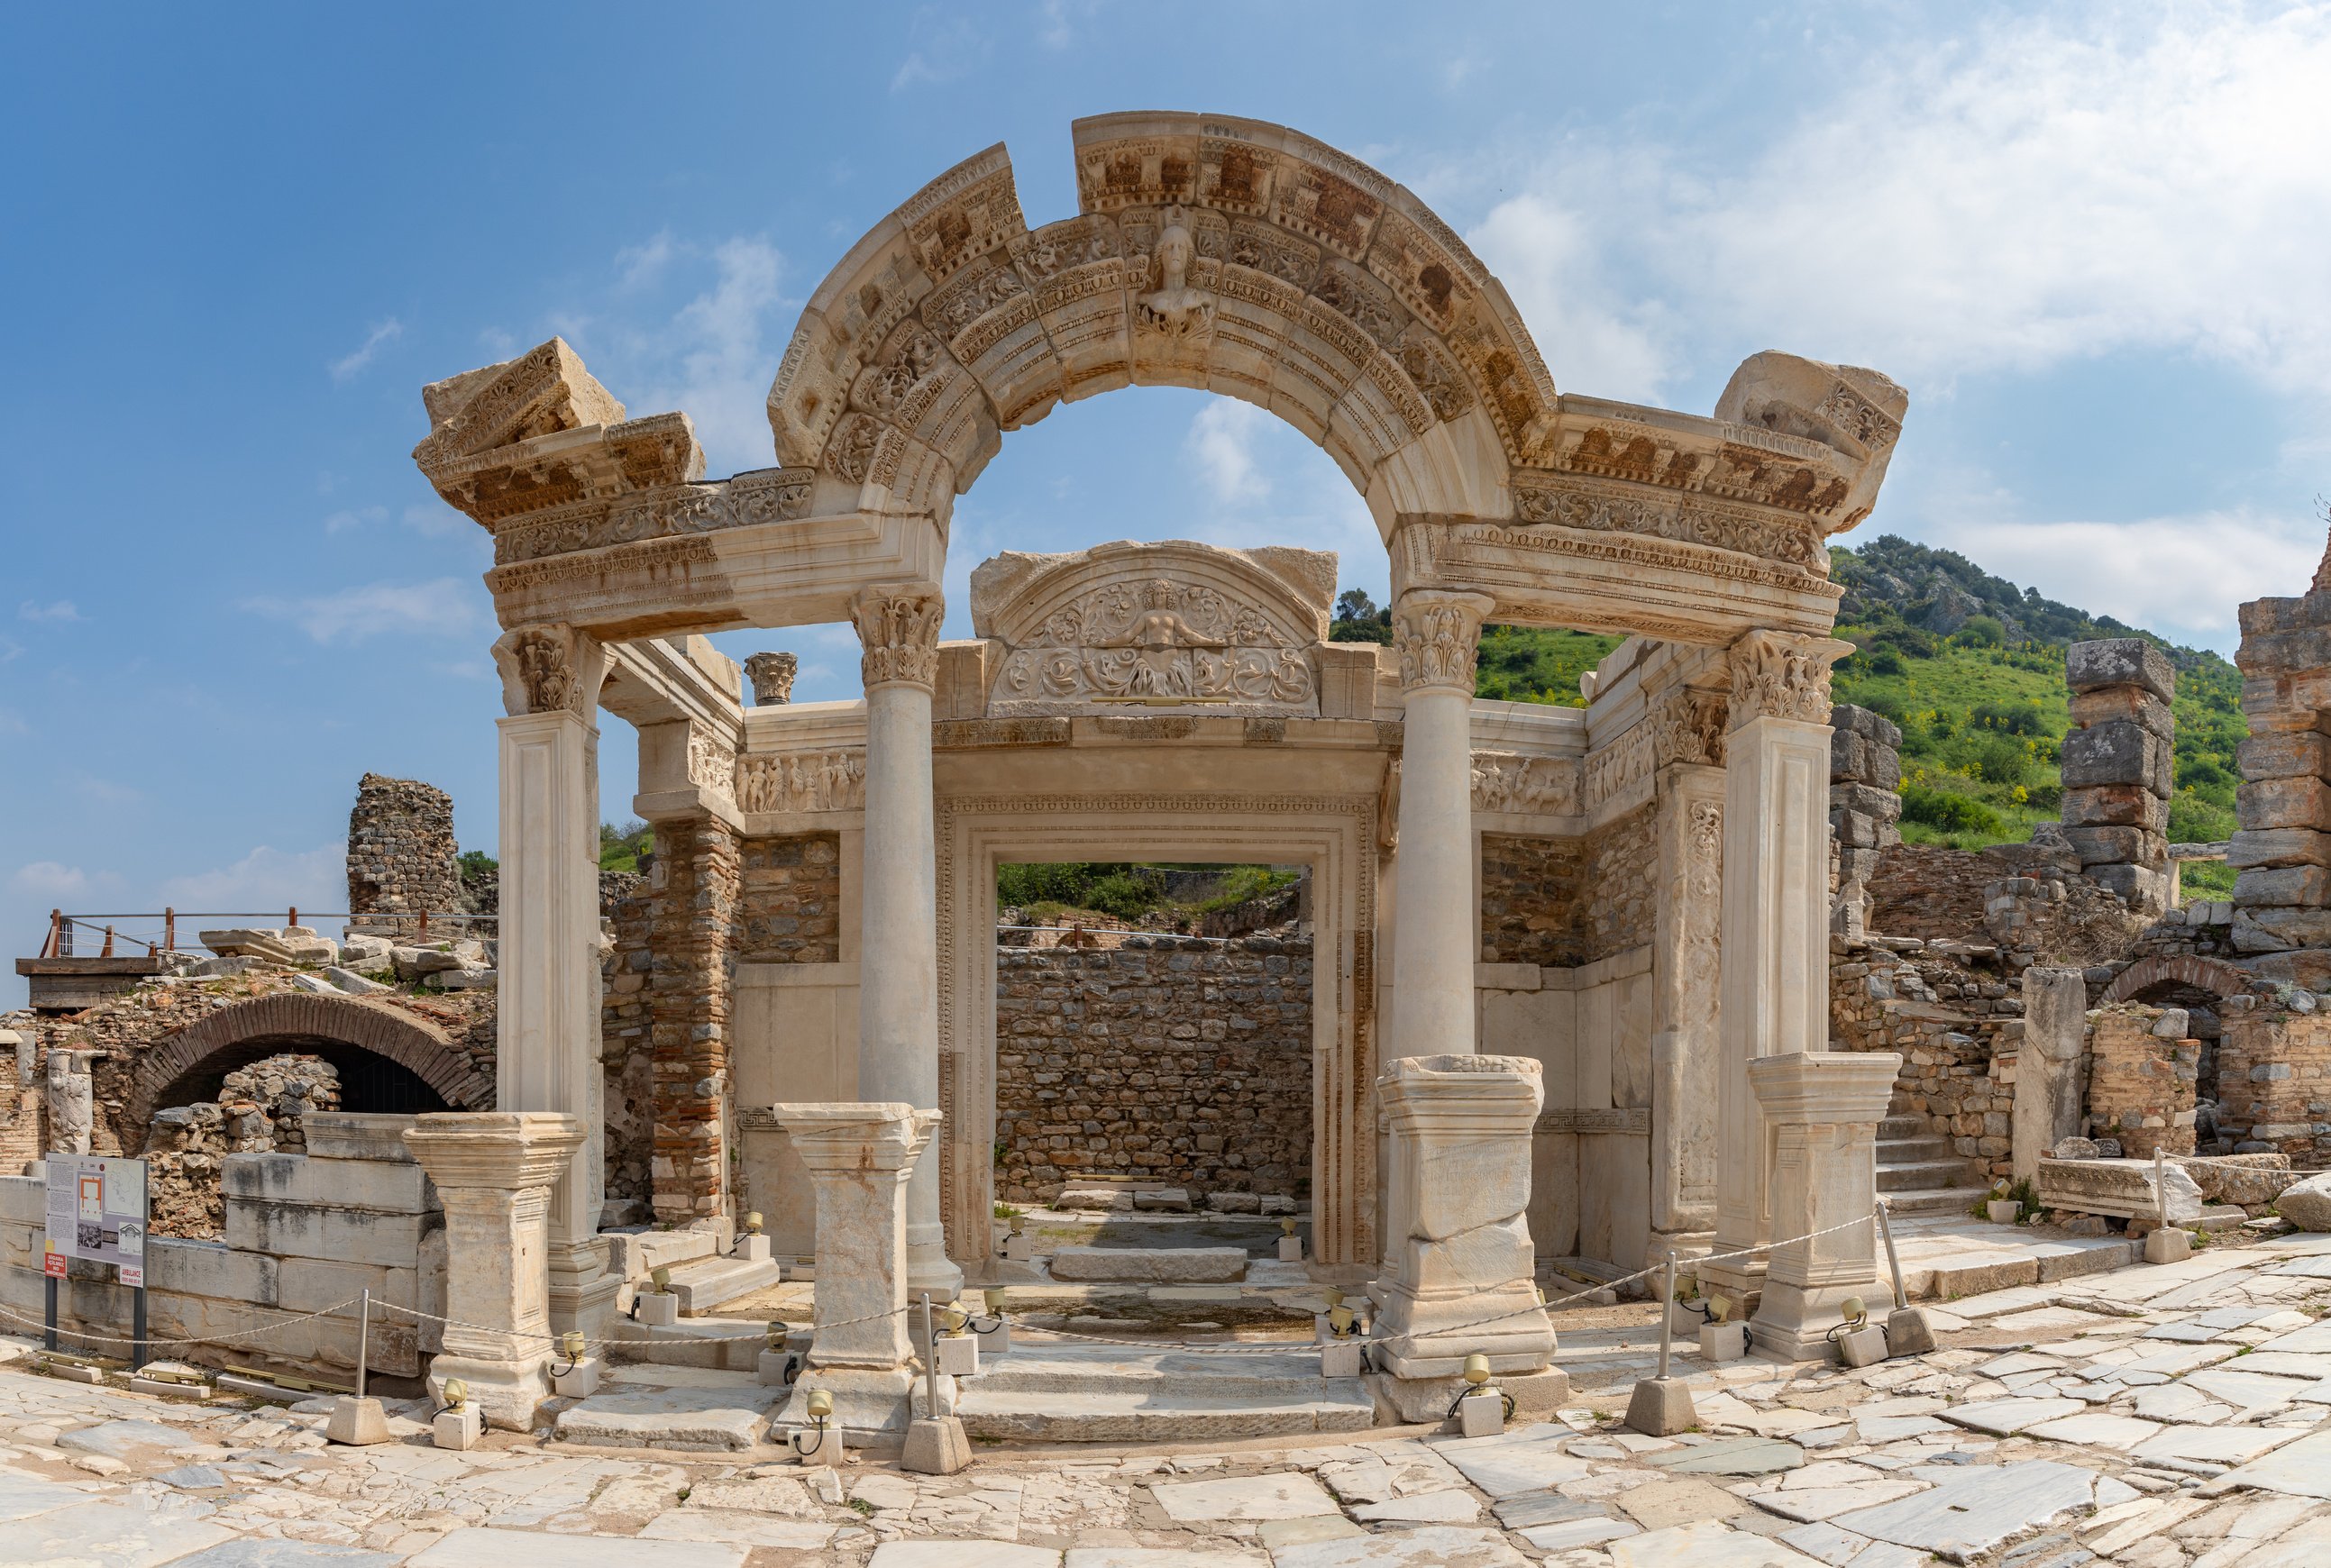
(49,1334)
(1908,1332)
(138,1328)
(364,1340)
(931,1360)
(1662,1406)
(1667,1312)
(1893,1258)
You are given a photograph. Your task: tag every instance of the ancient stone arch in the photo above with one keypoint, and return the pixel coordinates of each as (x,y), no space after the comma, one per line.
(411,1042)
(2212,975)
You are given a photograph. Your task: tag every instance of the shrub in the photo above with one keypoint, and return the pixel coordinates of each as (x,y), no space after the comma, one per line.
(2000,760)
(1981,631)
(1952,813)
(2009,717)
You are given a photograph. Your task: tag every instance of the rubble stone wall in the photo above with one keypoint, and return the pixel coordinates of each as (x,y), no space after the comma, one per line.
(2274,1083)
(2142,1084)
(1563,902)
(1865,807)
(1957,1020)
(402,858)
(261,1108)
(790,899)
(1172,1058)
(627,1057)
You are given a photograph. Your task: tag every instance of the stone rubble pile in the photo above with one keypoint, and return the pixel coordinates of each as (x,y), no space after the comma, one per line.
(260,1108)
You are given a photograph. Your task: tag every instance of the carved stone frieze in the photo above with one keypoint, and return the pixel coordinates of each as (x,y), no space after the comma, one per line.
(1687,726)
(1438,636)
(1536,785)
(1611,768)
(1775,675)
(809,781)
(899,628)
(771,496)
(711,761)
(1687,520)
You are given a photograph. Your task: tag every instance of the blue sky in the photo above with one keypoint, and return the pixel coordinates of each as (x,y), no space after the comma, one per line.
(234,242)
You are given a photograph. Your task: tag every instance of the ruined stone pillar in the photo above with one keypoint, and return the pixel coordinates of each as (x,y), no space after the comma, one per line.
(898,995)
(2282,890)
(2048,1065)
(547,1057)
(1459,1266)
(1437,923)
(1774,939)
(1688,747)
(861,1157)
(1865,806)
(494,1172)
(1824,1109)
(2119,767)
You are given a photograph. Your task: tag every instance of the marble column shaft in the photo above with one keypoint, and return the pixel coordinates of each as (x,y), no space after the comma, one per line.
(898,1000)
(1437,935)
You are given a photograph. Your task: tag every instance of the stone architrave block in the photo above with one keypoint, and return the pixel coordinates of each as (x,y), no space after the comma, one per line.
(391,1187)
(356,1135)
(2121,661)
(2116,753)
(2132,703)
(2121,1189)
(2278,847)
(2284,803)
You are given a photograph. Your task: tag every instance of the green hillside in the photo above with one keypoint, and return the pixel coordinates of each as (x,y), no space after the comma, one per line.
(1968,664)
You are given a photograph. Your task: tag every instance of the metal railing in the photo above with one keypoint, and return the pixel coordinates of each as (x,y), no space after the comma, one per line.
(153,933)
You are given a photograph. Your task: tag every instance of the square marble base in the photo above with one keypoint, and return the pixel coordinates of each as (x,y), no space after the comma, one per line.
(656,1309)
(1481,1413)
(458,1429)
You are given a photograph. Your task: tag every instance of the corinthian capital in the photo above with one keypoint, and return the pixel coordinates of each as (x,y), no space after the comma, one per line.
(899,626)
(1438,634)
(1777,675)
(551,669)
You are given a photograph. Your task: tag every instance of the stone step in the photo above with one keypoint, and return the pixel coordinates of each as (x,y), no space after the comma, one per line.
(1905,1126)
(731,1417)
(1952,1201)
(703,1285)
(1924,1175)
(1119,1417)
(1150,1265)
(1034,1366)
(1912,1150)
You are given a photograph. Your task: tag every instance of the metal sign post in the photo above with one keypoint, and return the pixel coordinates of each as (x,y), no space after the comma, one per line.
(98,1210)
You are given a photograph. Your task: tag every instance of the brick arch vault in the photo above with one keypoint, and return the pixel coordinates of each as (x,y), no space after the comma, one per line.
(411,1042)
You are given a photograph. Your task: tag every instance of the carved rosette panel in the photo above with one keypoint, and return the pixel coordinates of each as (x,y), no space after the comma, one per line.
(1438,636)
(899,628)
(808,781)
(1535,786)
(1158,642)
(1687,726)
(1775,675)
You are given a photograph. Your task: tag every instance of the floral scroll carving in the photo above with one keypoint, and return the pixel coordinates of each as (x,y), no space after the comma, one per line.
(1776,675)
(1159,640)
(1438,635)
(899,628)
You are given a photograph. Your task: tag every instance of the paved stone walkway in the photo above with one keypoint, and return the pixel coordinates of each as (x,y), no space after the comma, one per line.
(2150,1416)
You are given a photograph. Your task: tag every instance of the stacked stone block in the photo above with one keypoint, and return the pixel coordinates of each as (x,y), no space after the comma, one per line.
(1865,807)
(693,936)
(2274,1083)
(2143,1078)
(2284,805)
(401,859)
(2119,767)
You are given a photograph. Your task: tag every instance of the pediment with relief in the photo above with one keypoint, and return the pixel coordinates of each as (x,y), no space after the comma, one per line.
(1125,627)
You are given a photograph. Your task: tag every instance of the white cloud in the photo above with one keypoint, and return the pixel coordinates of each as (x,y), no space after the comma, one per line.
(941,49)
(348,518)
(1221,441)
(446,607)
(346,368)
(2181,576)
(49,879)
(714,360)
(1545,254)
(2046,189)
(55,610)
(641,264)
(265,880)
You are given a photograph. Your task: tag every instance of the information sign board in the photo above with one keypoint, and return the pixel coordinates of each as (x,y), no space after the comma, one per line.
(96,1211)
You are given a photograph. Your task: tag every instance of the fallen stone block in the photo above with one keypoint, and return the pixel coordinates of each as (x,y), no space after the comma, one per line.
(2308,1203)
(248,942)
(1150,1266)
(2119,1188)
(1163,1201)
(351,983)
(1103,1199)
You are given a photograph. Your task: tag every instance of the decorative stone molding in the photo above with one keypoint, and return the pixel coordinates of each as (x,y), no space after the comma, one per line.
(772,675)
(711,761)
(1537,785)
(807,781)
(1610,769)
(1438,636)
(899,627)
(1777,675)
(551,669)
(1687,726)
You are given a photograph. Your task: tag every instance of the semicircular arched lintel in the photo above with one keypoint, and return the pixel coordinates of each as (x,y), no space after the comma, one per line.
(2212,975)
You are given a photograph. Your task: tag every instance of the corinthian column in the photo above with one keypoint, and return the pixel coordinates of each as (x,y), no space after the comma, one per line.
(1436,936)
(899,961)
(548,953)
(1773,945)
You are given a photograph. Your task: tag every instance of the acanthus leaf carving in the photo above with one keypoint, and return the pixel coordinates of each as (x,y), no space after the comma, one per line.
(551,669)
(1778,675)
(1687,726)
(1438,635)
(899,628)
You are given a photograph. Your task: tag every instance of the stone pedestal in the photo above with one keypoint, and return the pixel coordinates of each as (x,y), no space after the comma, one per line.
(656,1309)
(1824,1109)
(494,1172)
(547,956)
(899,998)
(1773,949)
(1459,1266)
(359,1422)
(580,1381)
(2048,1065)
(861,1156)
(1437,635)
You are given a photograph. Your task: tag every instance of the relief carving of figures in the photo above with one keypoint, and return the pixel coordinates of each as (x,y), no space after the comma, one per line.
(899,627)
(1538,785)
(1616,766)
(1173,308)
(1688,727)
(772,675)
(816,781)
(711,762)
(1778,675)
(1438,635)
(1158,640)
(72,1101)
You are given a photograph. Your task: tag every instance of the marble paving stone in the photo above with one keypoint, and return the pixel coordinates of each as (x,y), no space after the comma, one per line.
(2174,1401)
(104,1535)
(22,1496)
(1991,1304)
(2286,1363)
(1427,1546)
(2214,1445)
(1731,1457)
(1531,1509)
(697,1419)
(1969,1513)
(1529,1459)
(2184,1332)
(485,1547)
(1706,1544)
(1578,1533)
(260,1551)
(2180,1359)
(2307,1546)
(1276,1533)
(2249,1391)
(1843,1549)
(1285,1495)
(2097,1429)
(1814,1504)
(1684,1500)
(2312,1340)
(2317,1267)
(1160,1557)
(2008,1416)
(1894,1428)
(2019,1360)
(130,1439)
(2300,1468)
(746,1529)
(1451,1508)
(2033,1319)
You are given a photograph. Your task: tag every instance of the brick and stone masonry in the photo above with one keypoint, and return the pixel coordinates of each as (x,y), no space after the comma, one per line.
(401,859)
(2143,1072)
(1173,1059)
(1865,806)
(2274,1083)
(694,926)
(2282,890)
(2119,767)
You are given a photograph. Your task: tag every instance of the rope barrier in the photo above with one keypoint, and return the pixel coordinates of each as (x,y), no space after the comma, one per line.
(150,1342)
